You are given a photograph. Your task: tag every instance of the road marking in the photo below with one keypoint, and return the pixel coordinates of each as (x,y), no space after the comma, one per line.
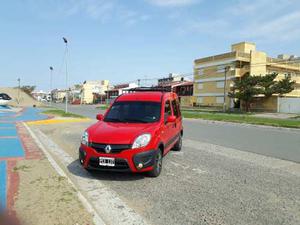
(260,160)
(102,200)
(56,121)
(96,218)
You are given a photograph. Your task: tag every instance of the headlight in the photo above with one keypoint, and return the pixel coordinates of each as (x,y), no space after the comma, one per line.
(141,141)
(85,138)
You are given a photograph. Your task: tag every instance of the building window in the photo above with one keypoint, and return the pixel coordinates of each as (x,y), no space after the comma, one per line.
(220,100)
(220,84)
(200,86)
(200,72)
(199,100)
(220,69)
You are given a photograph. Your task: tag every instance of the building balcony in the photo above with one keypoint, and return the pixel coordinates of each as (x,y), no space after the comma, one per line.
(235,55)
(239,72)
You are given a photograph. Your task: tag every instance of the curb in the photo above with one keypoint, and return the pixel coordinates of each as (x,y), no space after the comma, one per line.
(96,218)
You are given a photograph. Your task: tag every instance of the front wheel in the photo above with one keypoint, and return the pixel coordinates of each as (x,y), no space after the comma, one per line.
(178,145)
(157,167)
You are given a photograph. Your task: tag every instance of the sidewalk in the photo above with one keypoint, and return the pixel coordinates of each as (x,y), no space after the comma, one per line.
(30,189)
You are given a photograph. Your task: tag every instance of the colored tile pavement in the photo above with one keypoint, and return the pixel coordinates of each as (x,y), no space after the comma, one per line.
(10,142)
(3,179)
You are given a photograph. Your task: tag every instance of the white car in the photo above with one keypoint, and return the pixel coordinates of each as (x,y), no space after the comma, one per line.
(4,99)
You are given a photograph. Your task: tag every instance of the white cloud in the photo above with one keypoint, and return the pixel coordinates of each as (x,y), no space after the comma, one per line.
(253,20)
(99,10)
(172,3)
(285,27)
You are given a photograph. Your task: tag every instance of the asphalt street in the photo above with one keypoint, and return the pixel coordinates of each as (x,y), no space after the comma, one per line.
(269,141)
(203,184)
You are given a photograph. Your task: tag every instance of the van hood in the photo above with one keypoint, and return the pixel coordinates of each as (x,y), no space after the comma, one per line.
(117,133)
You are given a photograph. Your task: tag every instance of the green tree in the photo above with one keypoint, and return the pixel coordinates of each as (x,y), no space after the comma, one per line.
(246,88)
(284,86)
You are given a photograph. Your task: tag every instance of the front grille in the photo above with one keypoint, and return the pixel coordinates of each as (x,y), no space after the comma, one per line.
(115,148)
(120,164)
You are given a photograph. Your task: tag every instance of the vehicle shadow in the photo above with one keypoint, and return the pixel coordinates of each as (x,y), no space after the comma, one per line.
(76,169)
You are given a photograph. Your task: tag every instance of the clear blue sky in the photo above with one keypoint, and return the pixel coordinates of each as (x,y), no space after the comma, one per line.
(123,40)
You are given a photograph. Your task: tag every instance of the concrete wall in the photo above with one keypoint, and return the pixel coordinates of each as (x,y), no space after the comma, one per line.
(289,105)
(265,104)
(258,64)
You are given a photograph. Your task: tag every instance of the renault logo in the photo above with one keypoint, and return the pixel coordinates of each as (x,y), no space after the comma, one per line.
(107,149)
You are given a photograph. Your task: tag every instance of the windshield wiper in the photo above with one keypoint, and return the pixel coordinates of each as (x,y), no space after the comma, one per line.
(135,120)
(113,120)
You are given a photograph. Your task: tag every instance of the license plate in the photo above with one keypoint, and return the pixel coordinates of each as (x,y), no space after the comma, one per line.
(105,161)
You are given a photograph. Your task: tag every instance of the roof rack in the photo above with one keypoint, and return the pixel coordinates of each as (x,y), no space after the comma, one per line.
(144,89)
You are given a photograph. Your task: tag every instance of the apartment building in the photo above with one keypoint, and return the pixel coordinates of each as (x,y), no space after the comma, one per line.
(91,87)
(210,73)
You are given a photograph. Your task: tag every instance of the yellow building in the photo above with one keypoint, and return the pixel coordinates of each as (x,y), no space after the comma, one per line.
(89,88)
(209,75)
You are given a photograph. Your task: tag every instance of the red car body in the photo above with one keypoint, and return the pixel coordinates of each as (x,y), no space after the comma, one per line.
(165,133)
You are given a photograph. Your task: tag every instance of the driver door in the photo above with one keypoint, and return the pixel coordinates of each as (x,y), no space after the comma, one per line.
(167,129)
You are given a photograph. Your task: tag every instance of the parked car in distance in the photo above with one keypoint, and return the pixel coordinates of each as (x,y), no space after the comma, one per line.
(137,130)
(4,99)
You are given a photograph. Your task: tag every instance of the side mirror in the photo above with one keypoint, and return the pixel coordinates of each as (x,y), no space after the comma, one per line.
(171,119)
(99,117)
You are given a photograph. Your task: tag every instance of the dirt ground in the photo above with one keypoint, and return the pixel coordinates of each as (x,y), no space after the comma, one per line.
(46,198)
(24,100)
(41,195)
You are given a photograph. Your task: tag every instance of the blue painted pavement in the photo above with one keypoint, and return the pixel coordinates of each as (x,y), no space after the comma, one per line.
(3,179)
(10,143)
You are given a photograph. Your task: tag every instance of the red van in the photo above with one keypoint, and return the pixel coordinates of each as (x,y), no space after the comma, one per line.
(135,133)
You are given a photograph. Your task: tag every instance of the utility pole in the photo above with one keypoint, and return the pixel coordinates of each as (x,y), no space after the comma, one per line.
(19,87)
(66,59)
(227,68)
(51,78)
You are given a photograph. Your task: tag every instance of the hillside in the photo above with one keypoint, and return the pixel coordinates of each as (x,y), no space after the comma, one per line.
(25,99)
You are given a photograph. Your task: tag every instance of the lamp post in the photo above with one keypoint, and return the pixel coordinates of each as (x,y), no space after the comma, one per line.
(51,78)
(66,59)
(227,68)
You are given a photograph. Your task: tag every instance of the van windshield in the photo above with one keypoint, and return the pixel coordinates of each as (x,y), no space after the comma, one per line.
(134,112)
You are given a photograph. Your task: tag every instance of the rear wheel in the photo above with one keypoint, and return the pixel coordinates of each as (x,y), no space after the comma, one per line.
(157,167)
(178,145)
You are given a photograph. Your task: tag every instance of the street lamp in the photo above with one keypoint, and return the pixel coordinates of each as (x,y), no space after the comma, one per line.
(51,78)
(66,59)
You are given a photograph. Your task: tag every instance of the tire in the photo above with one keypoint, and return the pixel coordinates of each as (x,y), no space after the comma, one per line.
(178,145)
(157,165)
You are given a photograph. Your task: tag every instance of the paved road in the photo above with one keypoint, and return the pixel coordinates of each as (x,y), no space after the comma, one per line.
(204,184)
(275,142)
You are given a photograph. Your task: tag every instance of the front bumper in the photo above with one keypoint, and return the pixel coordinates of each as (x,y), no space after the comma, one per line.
(125,161)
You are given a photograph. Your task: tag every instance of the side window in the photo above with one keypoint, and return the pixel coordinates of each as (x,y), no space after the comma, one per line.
(175,108)
(168,111)
(178,107)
